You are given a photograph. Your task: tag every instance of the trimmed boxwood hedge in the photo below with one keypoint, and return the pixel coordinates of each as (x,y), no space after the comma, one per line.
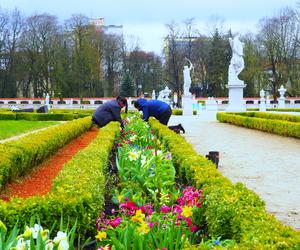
(77,192)
(19,156)
(286,125)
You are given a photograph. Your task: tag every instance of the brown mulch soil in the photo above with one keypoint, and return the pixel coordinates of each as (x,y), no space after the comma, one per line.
(39,181)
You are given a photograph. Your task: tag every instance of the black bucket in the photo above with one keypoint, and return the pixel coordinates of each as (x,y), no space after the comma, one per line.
(214,157)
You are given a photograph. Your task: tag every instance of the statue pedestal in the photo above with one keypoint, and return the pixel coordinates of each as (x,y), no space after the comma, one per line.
(236,102)
(187,103)
(262,105)
(281,102)
(211,104)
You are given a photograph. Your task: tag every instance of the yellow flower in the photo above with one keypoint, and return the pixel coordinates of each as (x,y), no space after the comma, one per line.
(143,228)
(139,216)
(101,235)
(27,233)
(44,233)
(187,211)
(120,197)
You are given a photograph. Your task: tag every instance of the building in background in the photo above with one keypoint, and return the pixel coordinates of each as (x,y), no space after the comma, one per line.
(107,29)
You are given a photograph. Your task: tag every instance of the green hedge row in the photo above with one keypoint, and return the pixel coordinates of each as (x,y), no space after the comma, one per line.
(77,192)
(284,109)
(73,111)
(53,115)
(268,115)
(267,124)
(231,211)
(19,156)
(180,112)
(40,116)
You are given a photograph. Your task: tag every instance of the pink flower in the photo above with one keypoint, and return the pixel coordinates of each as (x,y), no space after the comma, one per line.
(189,221)
(177,209)
(194,229)
(147,209)
(165,209)
(107,247)
(115,222)
(150,224)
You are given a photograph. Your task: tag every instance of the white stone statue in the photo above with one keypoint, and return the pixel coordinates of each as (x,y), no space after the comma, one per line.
(237,61)
(187,78)
(281,99)
(153,95)
(281,91)
(47,99)
(262,105)
(164,95)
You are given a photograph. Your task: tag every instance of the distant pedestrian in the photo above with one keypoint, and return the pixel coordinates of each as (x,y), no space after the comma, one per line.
(157,109)
(110,111)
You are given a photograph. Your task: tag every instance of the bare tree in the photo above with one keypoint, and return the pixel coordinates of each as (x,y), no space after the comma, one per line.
(174,60)
(113,63)
(39,40)
(4,34)
(279,37)
(190,35)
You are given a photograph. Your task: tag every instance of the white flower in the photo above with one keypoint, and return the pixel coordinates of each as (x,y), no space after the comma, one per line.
(63,244)
(60,236)
(143,160)
(134,155)
(35,229)
(132,138)
(22,244)
(159,152)
(49,245)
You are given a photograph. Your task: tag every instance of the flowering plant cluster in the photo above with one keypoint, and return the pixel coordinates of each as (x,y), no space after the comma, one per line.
(152,211)
(35,237)
(142,158)
(143,227)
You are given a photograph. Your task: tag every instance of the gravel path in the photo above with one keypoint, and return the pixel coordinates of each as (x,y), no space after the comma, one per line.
(267,164)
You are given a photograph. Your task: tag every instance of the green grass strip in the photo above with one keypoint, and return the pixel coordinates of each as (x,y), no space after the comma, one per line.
(9,128)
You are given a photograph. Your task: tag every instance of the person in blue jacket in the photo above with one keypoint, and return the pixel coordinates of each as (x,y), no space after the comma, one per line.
(110,111)
(157,109)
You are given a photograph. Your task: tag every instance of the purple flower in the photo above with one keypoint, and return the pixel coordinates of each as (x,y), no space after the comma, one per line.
(217,242)
(165,209)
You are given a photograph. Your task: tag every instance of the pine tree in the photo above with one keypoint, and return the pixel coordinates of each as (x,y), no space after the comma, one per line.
(219,59)
(127,88)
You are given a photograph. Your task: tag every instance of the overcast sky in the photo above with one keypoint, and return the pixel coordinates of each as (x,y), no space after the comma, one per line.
(145,19)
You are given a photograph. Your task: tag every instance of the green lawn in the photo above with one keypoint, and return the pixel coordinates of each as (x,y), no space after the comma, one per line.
(10,128)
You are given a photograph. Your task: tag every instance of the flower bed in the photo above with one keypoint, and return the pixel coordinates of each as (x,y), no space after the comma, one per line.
(152,211)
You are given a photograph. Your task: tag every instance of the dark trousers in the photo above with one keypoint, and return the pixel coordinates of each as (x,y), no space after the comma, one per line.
(164,117)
